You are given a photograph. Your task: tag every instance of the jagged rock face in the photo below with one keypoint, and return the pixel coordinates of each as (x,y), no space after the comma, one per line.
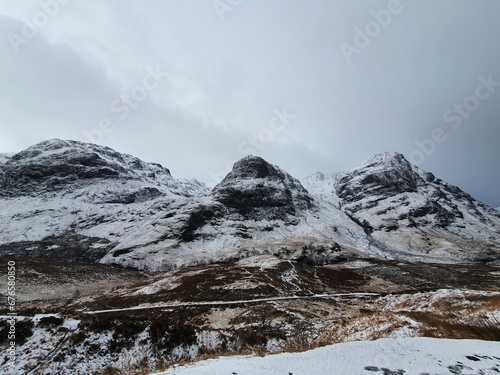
(385,175)
(258,190)
(58,165)
(54,165)
(414,194)
(403,209)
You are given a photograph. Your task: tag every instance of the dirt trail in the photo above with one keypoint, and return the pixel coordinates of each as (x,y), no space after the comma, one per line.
(225,303)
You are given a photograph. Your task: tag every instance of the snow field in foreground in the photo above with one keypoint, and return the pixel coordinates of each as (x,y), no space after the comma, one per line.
(406,356)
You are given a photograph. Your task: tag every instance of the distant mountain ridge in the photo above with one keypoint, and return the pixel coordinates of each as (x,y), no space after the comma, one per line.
(81,202)
(56,164)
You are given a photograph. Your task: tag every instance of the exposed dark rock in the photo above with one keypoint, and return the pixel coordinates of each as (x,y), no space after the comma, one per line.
(142,195)
(69,247)
(57,165)
(379,177)
(258,190)
(197,217)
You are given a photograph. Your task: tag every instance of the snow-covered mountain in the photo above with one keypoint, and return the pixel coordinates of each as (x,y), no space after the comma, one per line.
(62,166)
(82,202)
(406,211)
(76,201)
(257,209)
(258,190)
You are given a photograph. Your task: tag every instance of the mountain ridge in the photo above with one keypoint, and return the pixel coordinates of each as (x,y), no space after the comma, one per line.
(83,202)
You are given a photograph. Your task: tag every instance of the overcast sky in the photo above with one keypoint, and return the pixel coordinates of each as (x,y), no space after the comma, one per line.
(309,85)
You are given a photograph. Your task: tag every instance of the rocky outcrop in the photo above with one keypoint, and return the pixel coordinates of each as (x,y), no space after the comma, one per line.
(258,190)
(384,175)
(57,165)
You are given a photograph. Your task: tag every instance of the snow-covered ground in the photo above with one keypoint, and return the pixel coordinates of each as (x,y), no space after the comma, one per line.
(385,356)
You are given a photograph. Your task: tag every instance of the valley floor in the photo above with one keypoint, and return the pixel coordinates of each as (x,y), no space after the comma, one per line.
(95,319)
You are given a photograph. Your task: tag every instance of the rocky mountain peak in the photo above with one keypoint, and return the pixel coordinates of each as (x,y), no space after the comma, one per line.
(77,153)
(256,189)
(402,208)
(384,174)
(387,157)
(48,147)
(389,161)
(66,165)
(254,167)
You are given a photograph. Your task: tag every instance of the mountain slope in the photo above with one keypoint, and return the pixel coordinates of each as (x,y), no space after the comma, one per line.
(257,209)
(408,212)
(74,201)
(57,165)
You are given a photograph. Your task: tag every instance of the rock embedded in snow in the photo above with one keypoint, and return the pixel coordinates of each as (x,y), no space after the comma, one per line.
(384,175)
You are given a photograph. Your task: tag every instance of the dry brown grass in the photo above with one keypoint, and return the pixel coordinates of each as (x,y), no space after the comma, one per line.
(438,326)
(128,369)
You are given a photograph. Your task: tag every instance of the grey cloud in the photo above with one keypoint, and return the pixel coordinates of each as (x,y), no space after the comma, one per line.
(228,76)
